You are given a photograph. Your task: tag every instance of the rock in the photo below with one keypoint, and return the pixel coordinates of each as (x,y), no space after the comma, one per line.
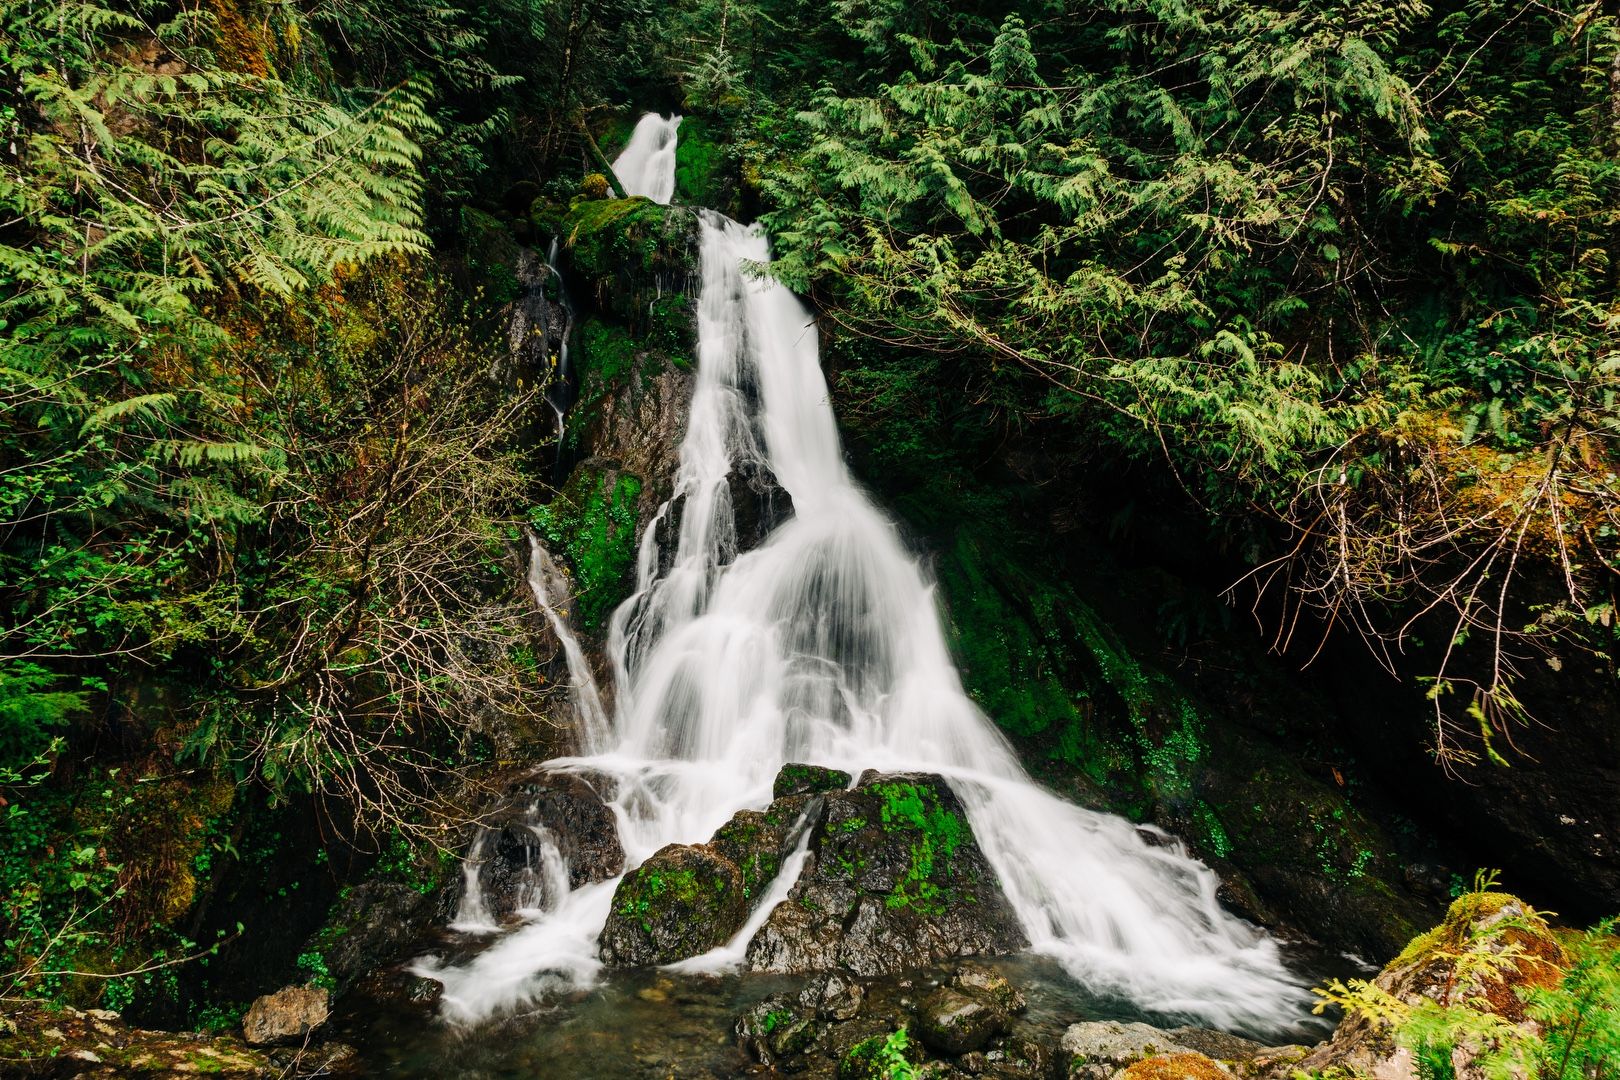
(988,985)
(684,900)
(1175,1067)
(894,881)
(833,997)
(375,923)
(285,1017)
(757,842)
(559,808)
(775,1029)
(1020,1056)
(1099,1049)
(794,779)
(1217,1044)
(950,1022)
(1478,924)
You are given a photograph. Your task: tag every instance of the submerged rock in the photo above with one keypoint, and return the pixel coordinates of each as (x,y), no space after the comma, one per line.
(286,1017)
(951,1022)
(833,997)
(684,900)
(1479,926)
(775,1029)
(1099,1049)
(894,880)
(988,985)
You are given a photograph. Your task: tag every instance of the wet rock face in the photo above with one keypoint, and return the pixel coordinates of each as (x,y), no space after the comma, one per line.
(756,842)
(795,779)
(684,900)
(556,807)
(894,880)
(286,1017)
(776,1029)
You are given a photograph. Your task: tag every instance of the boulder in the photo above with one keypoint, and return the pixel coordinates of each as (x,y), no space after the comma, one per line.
(1218,1044)
(286,1017)
(1175,1067)
(684,900)
(1099,1049)
(951,1022)
(1479,925)
(894,881)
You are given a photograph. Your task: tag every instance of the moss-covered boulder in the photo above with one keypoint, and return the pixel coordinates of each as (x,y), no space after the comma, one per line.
(951,1022)
(1099,1049)
(1489,950)
(622,254)
(683,901)
(894,881)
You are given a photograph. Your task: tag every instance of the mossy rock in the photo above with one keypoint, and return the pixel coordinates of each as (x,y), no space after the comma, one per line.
(1479,926)
(683,901)
(592,523)
(796,779)
(625,253)
(896,882)
(702,163)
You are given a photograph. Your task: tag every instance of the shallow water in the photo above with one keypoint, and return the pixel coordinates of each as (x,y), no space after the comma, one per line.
(655,1023)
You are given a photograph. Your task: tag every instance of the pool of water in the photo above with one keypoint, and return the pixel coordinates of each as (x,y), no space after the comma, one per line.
(653,1023)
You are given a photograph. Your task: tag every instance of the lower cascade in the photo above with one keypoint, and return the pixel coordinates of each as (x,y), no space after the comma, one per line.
(823,645)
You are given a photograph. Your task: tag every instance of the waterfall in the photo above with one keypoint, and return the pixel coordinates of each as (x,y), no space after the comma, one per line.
(824,645)
(646,165)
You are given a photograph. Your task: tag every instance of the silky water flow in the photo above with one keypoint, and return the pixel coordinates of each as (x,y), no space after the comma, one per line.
(824,645)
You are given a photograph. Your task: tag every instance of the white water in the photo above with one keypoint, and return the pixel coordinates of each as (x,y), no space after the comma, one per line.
(824,645)
(646,165)
(544,578)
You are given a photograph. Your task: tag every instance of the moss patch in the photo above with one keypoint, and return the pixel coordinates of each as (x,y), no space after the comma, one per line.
(592,523)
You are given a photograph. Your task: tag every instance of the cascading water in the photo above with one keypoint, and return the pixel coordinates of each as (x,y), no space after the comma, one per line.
(824,645)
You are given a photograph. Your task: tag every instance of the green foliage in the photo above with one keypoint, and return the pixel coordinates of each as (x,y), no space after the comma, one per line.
(1487,943)
(881,1057)
(593,524)
(1206,238)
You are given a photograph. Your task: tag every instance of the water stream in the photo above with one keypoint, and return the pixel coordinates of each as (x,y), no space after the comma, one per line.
(824,645)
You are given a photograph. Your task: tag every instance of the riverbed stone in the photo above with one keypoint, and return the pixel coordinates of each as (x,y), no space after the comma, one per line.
(833,997)
(775,1029)
(286,1017)
(1098,1049)
(894,880)
(684,900)
(989,985)
(950,1022)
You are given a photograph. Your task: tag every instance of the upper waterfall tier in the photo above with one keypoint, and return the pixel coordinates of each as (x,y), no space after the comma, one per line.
(646,165)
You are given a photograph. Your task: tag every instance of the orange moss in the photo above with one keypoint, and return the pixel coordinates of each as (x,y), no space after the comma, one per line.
(1176,1067)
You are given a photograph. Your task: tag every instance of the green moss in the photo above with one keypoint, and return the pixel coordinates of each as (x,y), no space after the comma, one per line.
(940,833)
(592,523)
(1450,935)
(699,164)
